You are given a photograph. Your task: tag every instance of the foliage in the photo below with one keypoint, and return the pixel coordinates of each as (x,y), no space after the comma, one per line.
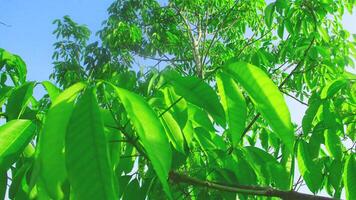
(208,118)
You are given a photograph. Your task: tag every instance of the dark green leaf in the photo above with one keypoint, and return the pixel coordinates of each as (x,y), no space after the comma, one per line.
(349,177)
(18,100)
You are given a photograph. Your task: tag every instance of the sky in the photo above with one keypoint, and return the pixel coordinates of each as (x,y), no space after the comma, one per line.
(29,33)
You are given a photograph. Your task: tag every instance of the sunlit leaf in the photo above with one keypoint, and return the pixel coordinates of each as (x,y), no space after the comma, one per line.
(14,137)
(266,97)
(151,133)
(86,151)
(234,105)
(51,142)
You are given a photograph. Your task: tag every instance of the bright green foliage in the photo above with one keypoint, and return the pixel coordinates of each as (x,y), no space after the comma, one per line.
(349,177)
(86,148)
(150,132)
(266,97)
(234,105)
(187,100)
(15,136)
(18,100)
(51,155)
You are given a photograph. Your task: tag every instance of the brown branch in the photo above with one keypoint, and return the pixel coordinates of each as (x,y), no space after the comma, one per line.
(243,189)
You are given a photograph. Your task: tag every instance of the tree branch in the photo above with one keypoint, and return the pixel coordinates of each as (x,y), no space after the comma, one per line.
(243,189)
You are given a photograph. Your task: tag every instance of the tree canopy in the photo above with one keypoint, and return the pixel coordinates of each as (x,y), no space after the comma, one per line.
(185,99)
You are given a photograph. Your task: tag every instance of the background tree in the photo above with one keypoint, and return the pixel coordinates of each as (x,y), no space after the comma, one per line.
(206,120)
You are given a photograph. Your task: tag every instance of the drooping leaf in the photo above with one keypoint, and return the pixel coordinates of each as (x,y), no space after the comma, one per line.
(269,14)
(197,92)
(50,159)
(349,177)
(18,100)
(86,151)
(174,131)
(310,170)
(151,133)
(333,143)
(52,90)
(314,104)
(14,137)
(234,105)
(266,97)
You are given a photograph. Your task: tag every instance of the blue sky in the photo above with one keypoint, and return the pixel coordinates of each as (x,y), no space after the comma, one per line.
(30,32)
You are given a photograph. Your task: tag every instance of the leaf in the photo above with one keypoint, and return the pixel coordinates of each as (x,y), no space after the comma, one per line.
(50,159)
(197,92)
(86,151)
(174,131)
(3,184)
(234,105)
(269,14)
(333,143)
(349,177)
(314,104)
(266,97)
(335,174)
(311,171)
(52,90)
(267,168)
(333,87)
(18,100)
(151,133)
(14,137)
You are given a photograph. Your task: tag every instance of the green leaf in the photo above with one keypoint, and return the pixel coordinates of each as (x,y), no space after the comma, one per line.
(234,105)
(333,143)
(314,104)
(18,100)
(269,14)
(197,92)
(311,171)
(266,97)
(174,131)
(86,151)
(14,137)
(332,87)
(267,168)
(3,184)
(50,160)
(349,177)
(335,174)
(151,133)
(52,90)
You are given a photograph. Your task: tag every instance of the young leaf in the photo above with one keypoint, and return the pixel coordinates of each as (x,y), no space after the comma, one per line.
(18,100)
(266,97)
(333,143)
(350,177)
(197,92)
(86,151)
(51,142)
(234,105)
(14,137)
(151,133)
